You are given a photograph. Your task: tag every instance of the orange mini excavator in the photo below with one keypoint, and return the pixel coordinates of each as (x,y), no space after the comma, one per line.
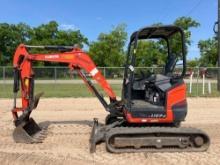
(152,106)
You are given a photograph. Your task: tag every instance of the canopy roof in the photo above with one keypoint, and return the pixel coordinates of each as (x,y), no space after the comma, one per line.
(156,32)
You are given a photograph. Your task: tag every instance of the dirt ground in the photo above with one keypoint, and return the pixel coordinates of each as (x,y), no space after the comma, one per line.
(69,129)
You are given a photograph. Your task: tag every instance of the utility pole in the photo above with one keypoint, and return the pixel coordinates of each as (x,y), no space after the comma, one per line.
(218,83)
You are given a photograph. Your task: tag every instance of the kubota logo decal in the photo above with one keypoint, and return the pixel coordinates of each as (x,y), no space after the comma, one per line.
(52,56)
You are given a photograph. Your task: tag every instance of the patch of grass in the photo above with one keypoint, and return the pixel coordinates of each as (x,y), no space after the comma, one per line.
(80,90)
(58,90)
(197,90)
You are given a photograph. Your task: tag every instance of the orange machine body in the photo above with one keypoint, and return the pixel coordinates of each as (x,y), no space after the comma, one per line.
(175,96)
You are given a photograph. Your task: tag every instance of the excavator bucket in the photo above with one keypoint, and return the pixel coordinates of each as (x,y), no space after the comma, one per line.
(28,131)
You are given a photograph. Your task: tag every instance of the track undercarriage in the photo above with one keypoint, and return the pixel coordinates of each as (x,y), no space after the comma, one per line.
(120,138)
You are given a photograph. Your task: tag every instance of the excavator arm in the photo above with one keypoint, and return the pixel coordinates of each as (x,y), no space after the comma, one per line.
(74,57)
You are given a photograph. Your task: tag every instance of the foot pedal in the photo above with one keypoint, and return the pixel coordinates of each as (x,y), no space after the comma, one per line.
(29,132)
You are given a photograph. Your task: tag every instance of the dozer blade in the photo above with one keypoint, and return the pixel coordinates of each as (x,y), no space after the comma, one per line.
(28,132)
(99,132)
(96,135)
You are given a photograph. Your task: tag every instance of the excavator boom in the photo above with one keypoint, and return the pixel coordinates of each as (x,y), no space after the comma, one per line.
(75,58)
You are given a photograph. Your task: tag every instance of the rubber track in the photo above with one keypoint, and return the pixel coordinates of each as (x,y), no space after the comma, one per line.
(157,130)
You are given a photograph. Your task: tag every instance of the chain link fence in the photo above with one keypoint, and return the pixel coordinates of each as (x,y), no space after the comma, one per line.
(200,81)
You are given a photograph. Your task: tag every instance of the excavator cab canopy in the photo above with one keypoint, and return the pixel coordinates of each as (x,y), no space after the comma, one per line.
(156,32)
(146,47)
(167,33)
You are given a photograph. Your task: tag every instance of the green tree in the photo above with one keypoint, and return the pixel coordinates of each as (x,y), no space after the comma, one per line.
(208,52)
(186,23)
(108,50)
(12,35)
(50,34)
(193,63)
(151,52)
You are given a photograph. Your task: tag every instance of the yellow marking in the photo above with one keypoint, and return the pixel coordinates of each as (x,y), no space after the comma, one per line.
(26,82)
(154,120)
(68,57)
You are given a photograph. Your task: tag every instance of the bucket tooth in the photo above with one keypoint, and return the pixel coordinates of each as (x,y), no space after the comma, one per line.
(28,132)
